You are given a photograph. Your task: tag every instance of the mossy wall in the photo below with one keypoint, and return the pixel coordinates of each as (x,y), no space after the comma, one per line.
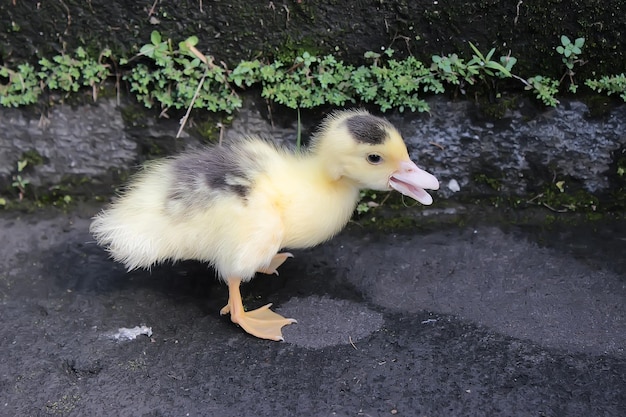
(242,29)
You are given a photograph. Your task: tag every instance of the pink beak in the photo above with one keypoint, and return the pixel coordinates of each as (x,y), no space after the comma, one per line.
(411,181)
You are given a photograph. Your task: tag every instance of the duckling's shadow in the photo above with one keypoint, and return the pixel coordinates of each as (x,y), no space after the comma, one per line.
(79,265)
(86,268)
(311,272)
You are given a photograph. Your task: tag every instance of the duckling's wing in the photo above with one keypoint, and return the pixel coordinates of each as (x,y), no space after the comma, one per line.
(204,205)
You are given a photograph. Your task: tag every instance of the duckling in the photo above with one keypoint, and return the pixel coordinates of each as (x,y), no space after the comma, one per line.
(237,205)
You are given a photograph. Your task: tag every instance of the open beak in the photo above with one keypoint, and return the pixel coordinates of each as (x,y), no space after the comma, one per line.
(411,181)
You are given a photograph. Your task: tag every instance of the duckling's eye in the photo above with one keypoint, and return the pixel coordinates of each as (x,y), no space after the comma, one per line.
(374,159)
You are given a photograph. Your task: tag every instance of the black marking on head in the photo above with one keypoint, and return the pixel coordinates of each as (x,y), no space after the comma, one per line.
(369,129)
(218,168)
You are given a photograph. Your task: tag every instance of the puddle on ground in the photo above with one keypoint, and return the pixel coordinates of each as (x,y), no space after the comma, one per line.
(324,321)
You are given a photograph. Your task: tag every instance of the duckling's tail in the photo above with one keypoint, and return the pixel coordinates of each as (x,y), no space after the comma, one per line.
(132,228)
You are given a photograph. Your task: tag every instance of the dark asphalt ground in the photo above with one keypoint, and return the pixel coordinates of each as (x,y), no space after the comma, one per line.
(475,314)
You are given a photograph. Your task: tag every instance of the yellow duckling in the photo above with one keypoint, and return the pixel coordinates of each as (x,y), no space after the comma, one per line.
(236,206)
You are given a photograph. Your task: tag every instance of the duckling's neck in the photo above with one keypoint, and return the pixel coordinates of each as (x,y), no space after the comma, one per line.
(320,206)
(327,160)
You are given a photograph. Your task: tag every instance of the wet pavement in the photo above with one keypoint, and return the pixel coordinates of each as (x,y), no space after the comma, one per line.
(467,312)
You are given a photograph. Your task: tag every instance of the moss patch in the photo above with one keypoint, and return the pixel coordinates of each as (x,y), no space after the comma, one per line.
(33,157)
(211,128)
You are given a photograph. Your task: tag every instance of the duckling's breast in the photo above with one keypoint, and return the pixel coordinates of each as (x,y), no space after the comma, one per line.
(312,209)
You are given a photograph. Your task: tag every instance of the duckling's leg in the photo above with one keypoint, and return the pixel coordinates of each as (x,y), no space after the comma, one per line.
(262,322)
(271,269)
(277,261)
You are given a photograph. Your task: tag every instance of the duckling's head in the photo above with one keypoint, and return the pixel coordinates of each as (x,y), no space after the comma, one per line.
(368,150)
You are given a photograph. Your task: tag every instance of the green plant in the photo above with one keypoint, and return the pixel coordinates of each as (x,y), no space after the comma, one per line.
(21,88)
(456,71)
(614,84)
(309,81)
(182,77)
(570,51)
(450,69)
(484,66)
(545,89)
(392,83)
(556,197)
(20,182)
(367,201)
(299,131)
(66,73)
(69,73)
(169,75)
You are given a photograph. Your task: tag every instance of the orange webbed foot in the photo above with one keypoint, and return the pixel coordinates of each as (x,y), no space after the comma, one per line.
(262,322)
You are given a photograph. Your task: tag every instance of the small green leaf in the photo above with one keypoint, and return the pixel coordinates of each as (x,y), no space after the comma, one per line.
(371,55)
(155,37)
(579,42)
(477,52)
(192,40)
(494,65)
(508,61)
(490,54)
(147,50)
(560,185)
